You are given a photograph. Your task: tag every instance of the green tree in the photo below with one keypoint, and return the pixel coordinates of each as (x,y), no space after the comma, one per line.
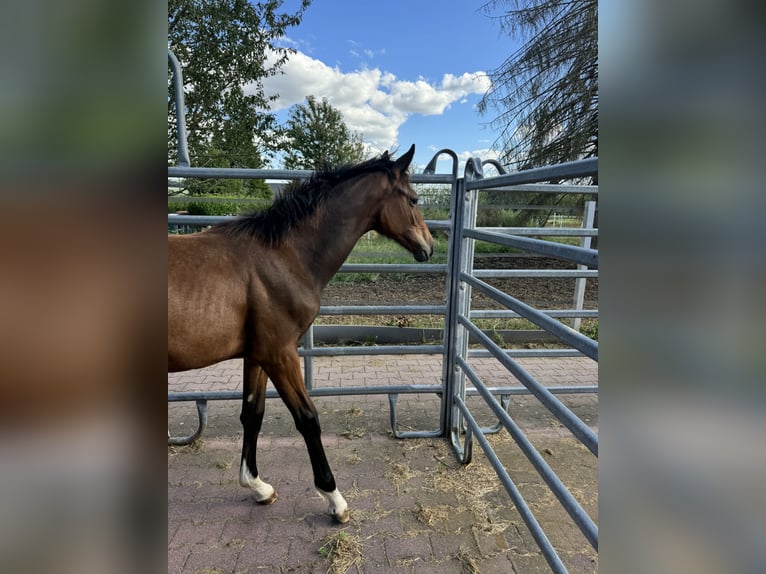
(226,48)
(546,94)
(316,135)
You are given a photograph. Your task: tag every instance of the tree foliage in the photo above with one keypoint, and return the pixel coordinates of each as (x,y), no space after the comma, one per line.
(316,135)
(546,94)
(226,48)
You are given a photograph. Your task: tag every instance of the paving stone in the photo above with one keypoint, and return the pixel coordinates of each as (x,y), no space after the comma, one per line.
(214,524)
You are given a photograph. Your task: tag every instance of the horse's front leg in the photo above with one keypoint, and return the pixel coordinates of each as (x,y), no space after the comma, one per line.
(253,407)
(285,373)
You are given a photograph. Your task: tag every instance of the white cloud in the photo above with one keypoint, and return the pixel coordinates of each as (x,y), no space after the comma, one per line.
(372,101)
(484,153)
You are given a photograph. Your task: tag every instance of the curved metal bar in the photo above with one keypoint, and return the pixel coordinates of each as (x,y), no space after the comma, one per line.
(430,169)
(473,169)
(202,425)
(496,164)
(178,99)
(392,398)
(463,452)
(505,401)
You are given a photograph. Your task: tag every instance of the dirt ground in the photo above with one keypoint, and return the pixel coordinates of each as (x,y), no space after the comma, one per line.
(545,293)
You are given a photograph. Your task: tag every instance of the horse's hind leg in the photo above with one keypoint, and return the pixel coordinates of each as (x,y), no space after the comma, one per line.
(253,407)
(285,372)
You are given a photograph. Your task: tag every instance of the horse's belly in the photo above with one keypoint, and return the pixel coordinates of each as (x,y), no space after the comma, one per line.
(198,337)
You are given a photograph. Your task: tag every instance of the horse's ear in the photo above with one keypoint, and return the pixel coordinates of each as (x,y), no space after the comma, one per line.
(403,162)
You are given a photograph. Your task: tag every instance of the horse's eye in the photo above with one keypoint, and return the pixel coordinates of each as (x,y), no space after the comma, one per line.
(413,201)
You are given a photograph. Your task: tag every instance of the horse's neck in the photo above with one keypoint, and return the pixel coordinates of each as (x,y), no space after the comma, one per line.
(332,233)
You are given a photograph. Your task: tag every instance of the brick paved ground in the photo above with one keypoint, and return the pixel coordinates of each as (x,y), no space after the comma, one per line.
(413,507)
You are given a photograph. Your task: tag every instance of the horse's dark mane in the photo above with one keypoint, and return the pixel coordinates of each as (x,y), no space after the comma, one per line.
(299,200)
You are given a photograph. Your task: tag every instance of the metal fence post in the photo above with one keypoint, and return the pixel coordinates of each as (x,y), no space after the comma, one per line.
(449,367)
(459,303)
(588,217)
(178,94)
(308,359)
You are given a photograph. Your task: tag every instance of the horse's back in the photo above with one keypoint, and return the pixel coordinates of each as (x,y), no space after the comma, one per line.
(207,301)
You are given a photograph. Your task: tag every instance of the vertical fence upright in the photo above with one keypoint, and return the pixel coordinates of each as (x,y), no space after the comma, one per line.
(588,218)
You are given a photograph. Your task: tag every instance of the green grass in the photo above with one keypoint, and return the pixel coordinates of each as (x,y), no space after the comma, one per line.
(373,248)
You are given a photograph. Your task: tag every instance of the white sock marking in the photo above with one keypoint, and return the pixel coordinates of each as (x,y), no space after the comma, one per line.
(263,490)
(336,501)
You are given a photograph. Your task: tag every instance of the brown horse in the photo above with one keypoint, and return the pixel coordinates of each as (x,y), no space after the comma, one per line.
(251,287)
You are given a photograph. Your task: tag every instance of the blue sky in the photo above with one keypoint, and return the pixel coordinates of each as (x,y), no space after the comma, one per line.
(399,72)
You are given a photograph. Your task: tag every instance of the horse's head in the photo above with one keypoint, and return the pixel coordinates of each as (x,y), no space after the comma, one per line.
(399,217)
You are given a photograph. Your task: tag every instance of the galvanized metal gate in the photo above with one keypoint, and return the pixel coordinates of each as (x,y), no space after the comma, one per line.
(463,427)
(459,379)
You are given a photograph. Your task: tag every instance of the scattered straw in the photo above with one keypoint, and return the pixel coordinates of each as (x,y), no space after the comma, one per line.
(342,551)
(197,446)
(354,458)
(399,474)
(353,432)
(466,561)
(431,515)
(469,484)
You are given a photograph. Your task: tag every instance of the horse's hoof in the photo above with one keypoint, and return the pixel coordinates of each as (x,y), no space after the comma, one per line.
(341,518)
(270,500)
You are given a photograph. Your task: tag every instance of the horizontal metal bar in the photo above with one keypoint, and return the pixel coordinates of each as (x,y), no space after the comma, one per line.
(438,224)
(205,395)
(184,199)
(573,508)
(559,313)
(373,350)
(565,333)
(551,188)
(527,353)
(203,220)
(535,273)
(238,173)
(315,392)
(521,391)
(382,309)
(572,169)
(393,268)
(432,178)
(184,396)
(374,390)
(550,231)
(579,255)
(200,220)
(578,428)
(246,173)
(518,500)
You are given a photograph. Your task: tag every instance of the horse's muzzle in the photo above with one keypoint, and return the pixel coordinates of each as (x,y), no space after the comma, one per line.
(422,255)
